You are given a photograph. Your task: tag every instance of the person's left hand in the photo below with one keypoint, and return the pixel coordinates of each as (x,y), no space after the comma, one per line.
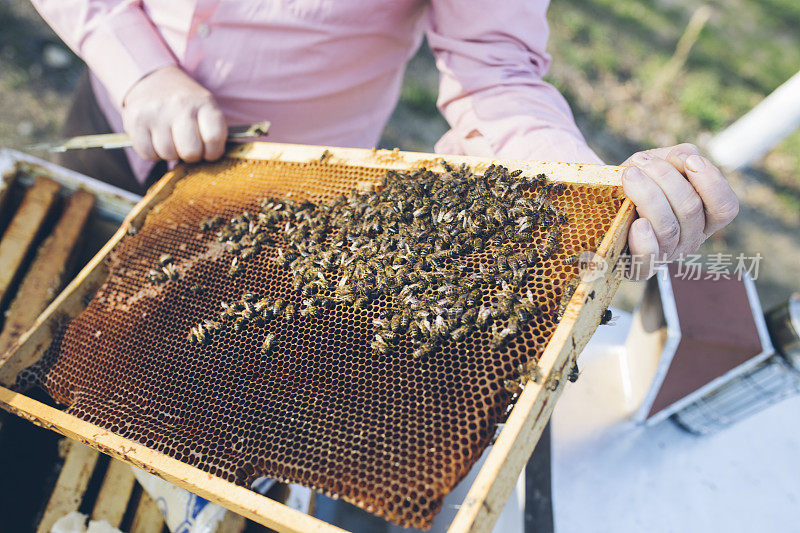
(681,199)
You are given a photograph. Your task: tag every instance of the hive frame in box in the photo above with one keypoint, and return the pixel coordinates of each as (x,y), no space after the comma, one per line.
(514,444)
(112,203)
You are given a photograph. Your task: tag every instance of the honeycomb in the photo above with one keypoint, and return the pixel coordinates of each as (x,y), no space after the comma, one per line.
(388,432)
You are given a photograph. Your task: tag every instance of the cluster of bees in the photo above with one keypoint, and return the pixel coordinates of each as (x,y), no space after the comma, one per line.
(165,271)
(247,310)
(406,244)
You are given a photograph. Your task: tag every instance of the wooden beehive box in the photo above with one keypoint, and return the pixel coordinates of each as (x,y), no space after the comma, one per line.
(521,430)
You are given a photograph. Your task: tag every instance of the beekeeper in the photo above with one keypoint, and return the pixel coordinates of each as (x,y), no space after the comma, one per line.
(174,74)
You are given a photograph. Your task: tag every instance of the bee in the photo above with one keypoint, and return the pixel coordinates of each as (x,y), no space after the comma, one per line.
(607,318)
(210,223)
(325,156)
(405,319)
(362,302)
(558,187)
(414,331)
(538,179)
(553,381)
(199,334)
(388,334)
(289,314)
(473,298)
(379,345)
(198,289)
(281,259)
(381,323)
(423,351)
(524,312)
(505,306)
(278,306)
(504,336)
(515,173)
(239,324)
(309,289)
(210,325)
(165,259)
(269,343)
(569,290)
(460,333)
(502,263)
(248,252)
(530,371)
(484,318)
(574,373)
(235,268)
(571,260)
(395,324)
(171,272)
(263,305)
(157,276)
(248,297)
(512,386)
(469,316)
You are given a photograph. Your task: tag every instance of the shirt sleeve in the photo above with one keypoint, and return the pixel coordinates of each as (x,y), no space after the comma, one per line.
(491,58)
(115,38)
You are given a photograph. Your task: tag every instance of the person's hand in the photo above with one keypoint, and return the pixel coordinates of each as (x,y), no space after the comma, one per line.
(681,199)
(170,116)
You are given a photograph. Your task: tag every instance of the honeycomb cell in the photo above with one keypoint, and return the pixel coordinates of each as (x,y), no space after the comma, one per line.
(388,432)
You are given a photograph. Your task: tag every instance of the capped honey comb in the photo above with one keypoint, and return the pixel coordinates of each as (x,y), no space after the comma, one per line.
(390,433)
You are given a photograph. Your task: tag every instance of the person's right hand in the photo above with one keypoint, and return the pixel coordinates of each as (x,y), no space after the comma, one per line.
(170,116)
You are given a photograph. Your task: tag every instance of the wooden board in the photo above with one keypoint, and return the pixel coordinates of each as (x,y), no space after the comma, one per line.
(231,523)
(70,486)
(112,500)
(601,175)
(6,181)
(46,276)
(22,231)
(148,517)
(516,441)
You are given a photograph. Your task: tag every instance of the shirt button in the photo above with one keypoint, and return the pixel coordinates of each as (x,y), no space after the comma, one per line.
(203,30)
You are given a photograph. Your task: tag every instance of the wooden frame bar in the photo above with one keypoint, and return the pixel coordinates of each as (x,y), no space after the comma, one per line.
(115,492)
(70,486)
(148,517)
(45,277)
(23,230)
(518,437)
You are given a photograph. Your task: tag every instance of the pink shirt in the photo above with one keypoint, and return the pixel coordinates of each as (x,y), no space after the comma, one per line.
(330,71)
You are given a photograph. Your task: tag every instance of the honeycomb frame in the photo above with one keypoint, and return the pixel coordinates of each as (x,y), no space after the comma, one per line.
(523,426)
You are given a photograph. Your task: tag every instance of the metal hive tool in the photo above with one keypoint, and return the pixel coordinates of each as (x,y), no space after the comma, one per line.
(389,432)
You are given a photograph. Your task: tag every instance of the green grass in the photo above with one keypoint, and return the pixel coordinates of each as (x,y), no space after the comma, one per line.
(746,50)
(418,97)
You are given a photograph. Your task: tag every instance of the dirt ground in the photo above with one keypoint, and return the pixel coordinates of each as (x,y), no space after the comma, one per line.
(607,54)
